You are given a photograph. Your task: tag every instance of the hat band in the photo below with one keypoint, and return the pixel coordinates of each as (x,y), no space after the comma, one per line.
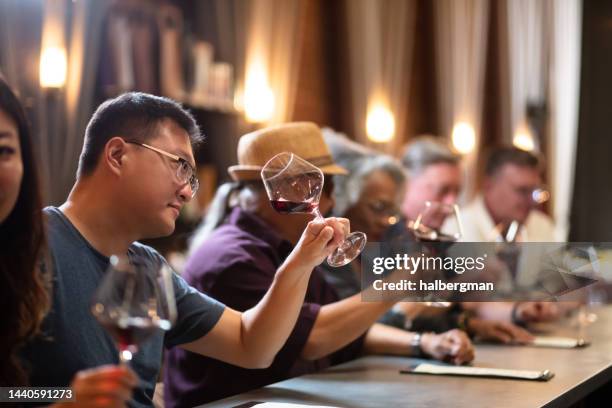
(321,161)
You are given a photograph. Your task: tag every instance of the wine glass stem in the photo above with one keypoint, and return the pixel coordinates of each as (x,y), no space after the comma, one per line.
(317,214)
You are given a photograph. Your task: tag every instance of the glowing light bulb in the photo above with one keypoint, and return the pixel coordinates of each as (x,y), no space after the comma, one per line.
(463,137)
(258,98)
(53,67)
(523,140)
(380,124)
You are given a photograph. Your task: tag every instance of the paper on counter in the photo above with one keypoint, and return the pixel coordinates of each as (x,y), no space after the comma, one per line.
(426,368)
(288,405)
(558,342)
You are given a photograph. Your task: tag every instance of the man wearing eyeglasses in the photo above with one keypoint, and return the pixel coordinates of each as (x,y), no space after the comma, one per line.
(507,208)
(135,173)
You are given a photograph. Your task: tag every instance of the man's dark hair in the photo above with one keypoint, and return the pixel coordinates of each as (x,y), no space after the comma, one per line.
(501,156)
(133,115)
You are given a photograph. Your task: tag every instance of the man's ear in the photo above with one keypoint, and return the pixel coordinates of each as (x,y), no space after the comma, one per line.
(114,152)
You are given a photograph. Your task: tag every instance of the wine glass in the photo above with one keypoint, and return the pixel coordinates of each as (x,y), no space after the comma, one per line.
(294,186)
(506,232)
(434,224)
(134,301)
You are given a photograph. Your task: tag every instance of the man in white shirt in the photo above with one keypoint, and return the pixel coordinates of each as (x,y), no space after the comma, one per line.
(507,204)
(507,210)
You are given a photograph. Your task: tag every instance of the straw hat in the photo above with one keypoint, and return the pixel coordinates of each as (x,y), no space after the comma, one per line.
(302,138)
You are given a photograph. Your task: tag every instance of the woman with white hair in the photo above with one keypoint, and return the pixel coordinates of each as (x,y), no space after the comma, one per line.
(370,196)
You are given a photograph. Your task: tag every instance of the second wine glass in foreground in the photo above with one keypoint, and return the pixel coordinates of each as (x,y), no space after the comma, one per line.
(134,300)
(294,186)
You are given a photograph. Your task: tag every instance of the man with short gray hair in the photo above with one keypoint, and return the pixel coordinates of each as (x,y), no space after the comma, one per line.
(434,174)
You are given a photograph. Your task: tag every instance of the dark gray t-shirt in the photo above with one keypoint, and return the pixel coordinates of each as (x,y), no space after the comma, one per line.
(72,338)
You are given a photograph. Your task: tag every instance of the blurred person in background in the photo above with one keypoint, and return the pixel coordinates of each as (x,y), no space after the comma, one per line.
(369,196)
(434,174)
(507,210)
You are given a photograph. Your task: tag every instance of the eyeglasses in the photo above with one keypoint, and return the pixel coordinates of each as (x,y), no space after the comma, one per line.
(384,209)
(538,195)
(184,172)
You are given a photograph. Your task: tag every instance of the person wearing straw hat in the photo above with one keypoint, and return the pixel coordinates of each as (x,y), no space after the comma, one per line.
(233,258)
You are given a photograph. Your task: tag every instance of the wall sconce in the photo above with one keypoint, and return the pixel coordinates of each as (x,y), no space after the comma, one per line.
(523,138)
(53,67)
(380,124)
(259,104)
(463,138)
(523,141)
(258,98)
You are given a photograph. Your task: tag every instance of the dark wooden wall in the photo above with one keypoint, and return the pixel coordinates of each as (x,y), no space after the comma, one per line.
(591,218)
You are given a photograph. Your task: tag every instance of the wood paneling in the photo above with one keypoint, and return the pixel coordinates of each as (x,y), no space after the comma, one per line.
(591,218)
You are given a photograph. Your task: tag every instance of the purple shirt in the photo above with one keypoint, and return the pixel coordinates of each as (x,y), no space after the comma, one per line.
(236,265)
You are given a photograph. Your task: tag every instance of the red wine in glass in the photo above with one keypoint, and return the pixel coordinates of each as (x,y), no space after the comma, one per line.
(292,207)
(427,229)
(130,332)
(428,224)
(134,301)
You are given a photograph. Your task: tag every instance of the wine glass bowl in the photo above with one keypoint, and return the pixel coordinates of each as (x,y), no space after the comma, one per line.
(434,225)
(133,302)
(431,223)
(294,186)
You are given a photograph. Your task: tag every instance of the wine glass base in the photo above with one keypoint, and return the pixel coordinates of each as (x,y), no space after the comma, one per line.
(348,250)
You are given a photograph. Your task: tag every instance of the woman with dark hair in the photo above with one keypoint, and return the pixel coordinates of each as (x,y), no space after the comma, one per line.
(24,294)
(23,297)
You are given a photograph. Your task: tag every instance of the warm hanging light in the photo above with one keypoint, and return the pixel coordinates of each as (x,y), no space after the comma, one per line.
(463,138)
(53,66)
(380,124)
(523,139)
(53,63)
(258,98)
